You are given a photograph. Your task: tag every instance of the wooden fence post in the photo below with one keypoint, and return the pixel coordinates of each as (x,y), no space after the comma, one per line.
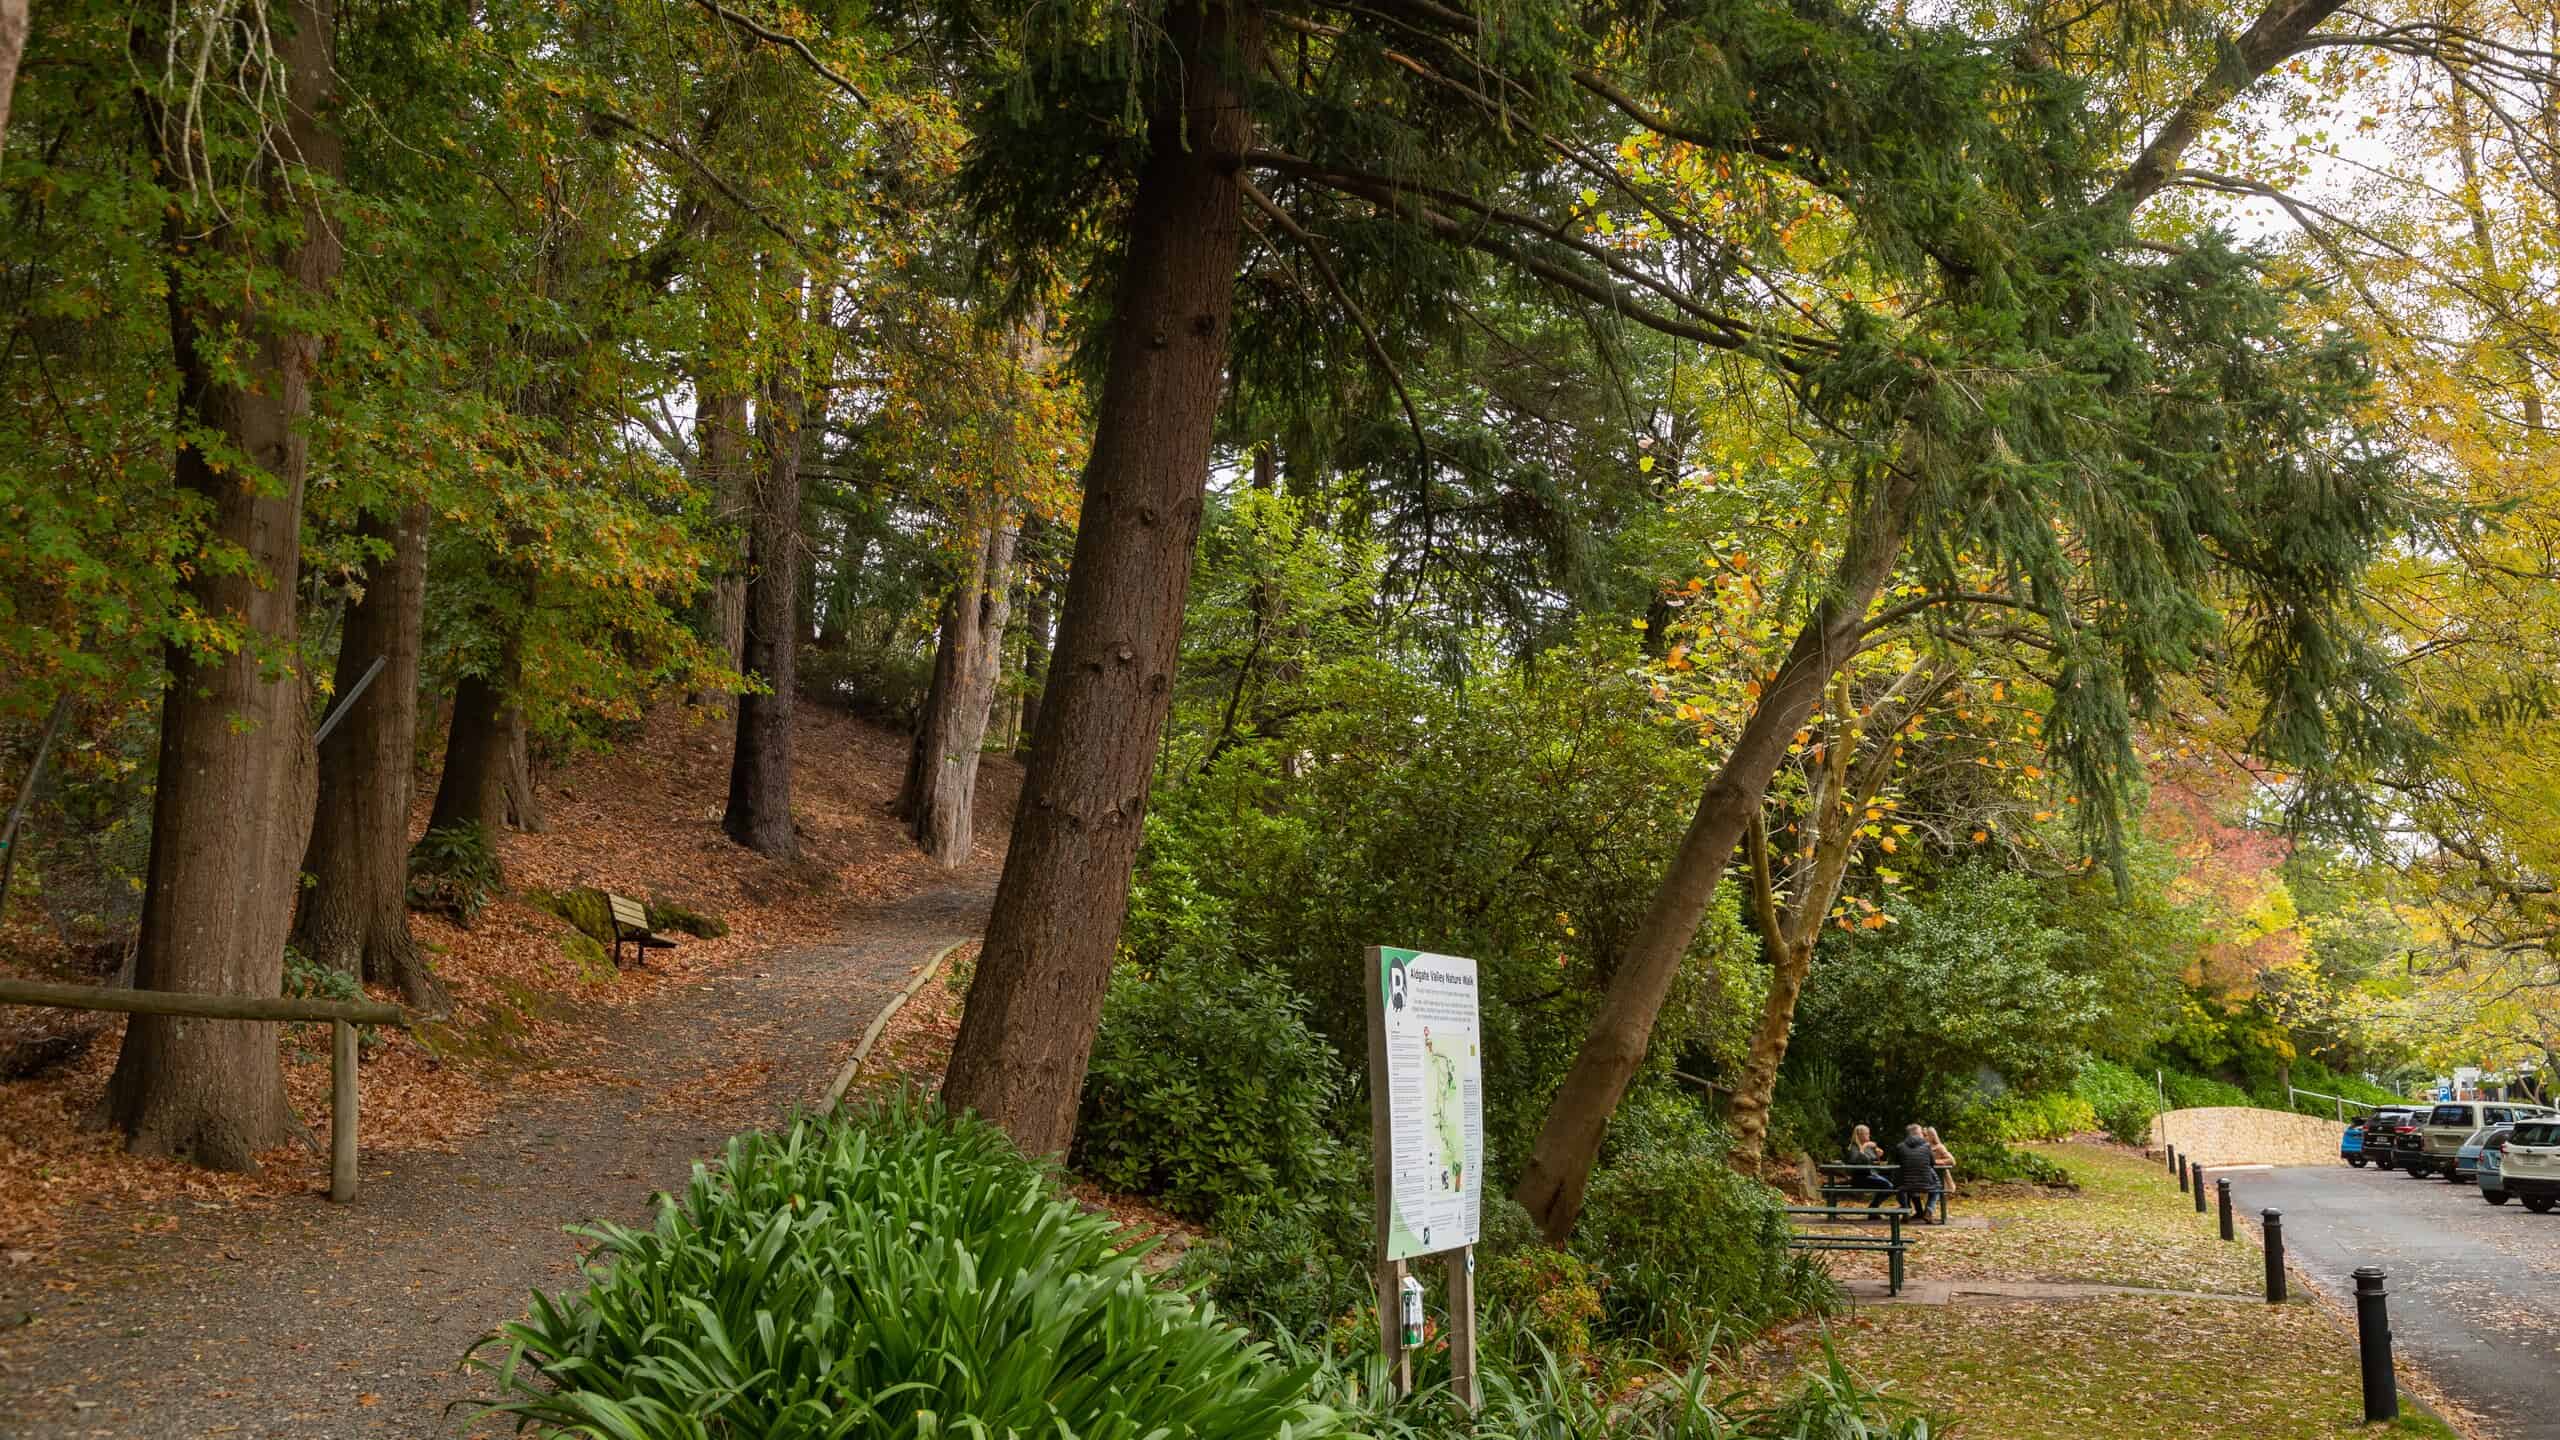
(342,1111)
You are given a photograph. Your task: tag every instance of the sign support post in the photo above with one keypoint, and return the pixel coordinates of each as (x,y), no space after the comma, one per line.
(1426,1144)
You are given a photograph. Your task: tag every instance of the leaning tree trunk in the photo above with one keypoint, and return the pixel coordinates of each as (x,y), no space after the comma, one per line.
(236,779)
(938,802)
(1568,1145)
(1037,994)
(759,811)
(1840,798)
(355,911)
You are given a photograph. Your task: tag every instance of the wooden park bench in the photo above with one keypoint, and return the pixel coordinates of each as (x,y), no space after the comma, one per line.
(1893,1244)
(1840,1186)
(630,921)
(343,1017)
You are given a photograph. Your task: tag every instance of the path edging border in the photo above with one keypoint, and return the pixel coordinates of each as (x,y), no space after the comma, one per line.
(880,1022)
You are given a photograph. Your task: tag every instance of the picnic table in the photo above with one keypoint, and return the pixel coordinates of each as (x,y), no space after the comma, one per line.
(1893,1244)
(1840,1183)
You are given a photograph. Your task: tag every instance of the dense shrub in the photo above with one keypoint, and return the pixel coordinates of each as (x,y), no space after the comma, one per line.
(884,682)
(1551,1296)
(2014,1118)
(1994,1161)
(1207,1090)
(1656,1117)
(2123,1101)
(2188,1092)
(896,1275)
(1287,1270)
(1688,1249)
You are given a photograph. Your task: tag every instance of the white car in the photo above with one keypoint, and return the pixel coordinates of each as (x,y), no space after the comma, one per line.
(2532,1169)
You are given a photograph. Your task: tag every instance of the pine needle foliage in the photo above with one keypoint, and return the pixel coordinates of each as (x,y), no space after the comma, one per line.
(1920,231)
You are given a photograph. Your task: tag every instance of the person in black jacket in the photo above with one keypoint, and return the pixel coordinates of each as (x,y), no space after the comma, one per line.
(1917,1163)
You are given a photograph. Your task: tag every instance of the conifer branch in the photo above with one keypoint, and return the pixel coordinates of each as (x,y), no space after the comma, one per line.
(1359,317)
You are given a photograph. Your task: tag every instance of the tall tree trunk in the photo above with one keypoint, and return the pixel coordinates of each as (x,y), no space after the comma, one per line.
(1559,1169)
(1028,1029)
(938,801)
(524,805)
(1035,660)
(236,778)
(721,443)
(354,915)
(13,44)
(759,812)
(479,747)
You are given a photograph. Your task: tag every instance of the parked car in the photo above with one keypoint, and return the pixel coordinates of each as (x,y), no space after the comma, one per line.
(2492,1175)
(2381,1129)
(2466,1161)
(2351,1142)
(2429,1146)
(2531,1170)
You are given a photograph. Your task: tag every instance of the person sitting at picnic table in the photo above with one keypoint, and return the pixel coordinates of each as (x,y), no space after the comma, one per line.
(1918,1163)
(1863,1150)
(1946,1162)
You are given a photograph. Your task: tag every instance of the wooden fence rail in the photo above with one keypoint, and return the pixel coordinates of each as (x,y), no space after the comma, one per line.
(343,1017)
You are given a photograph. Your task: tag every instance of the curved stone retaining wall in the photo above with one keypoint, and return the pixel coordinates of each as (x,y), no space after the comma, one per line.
(2241,1135)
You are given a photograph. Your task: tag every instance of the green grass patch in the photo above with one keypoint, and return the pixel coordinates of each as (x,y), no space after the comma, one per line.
(2067,1371)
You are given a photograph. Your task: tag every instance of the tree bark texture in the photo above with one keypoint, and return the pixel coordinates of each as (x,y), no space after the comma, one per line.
(730,472)
(236,779)
(13,46)
(1035,659)
(479,748)
(938,801)
(354,915)
(1568,1145)
(1036,998)
(759,811)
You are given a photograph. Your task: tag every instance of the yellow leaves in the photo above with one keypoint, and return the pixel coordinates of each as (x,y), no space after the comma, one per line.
(1981,835)
(1890,844)
(1873,922)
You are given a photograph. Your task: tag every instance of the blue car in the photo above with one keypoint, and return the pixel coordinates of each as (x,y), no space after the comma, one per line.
(2466,1161)
(2351,1143)
(2492,1169)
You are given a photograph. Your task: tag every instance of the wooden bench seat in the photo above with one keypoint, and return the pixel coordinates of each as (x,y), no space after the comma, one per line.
(631,927)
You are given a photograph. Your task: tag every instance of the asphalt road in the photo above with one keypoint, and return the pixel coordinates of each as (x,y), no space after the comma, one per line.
(2474,1288)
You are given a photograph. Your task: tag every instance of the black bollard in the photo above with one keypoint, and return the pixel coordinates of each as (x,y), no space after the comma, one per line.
(2169,1155)
(2222,1198)
(2373,1348)
(2199,1189)
(2182,1174)
(2275,1255)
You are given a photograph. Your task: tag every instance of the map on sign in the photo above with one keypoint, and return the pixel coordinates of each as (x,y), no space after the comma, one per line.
(1434,1086)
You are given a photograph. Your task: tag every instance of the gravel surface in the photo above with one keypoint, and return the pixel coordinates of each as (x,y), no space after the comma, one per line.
(313,1320)
(2474,1289)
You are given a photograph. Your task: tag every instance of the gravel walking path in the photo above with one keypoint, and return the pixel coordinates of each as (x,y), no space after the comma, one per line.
(313,1320)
